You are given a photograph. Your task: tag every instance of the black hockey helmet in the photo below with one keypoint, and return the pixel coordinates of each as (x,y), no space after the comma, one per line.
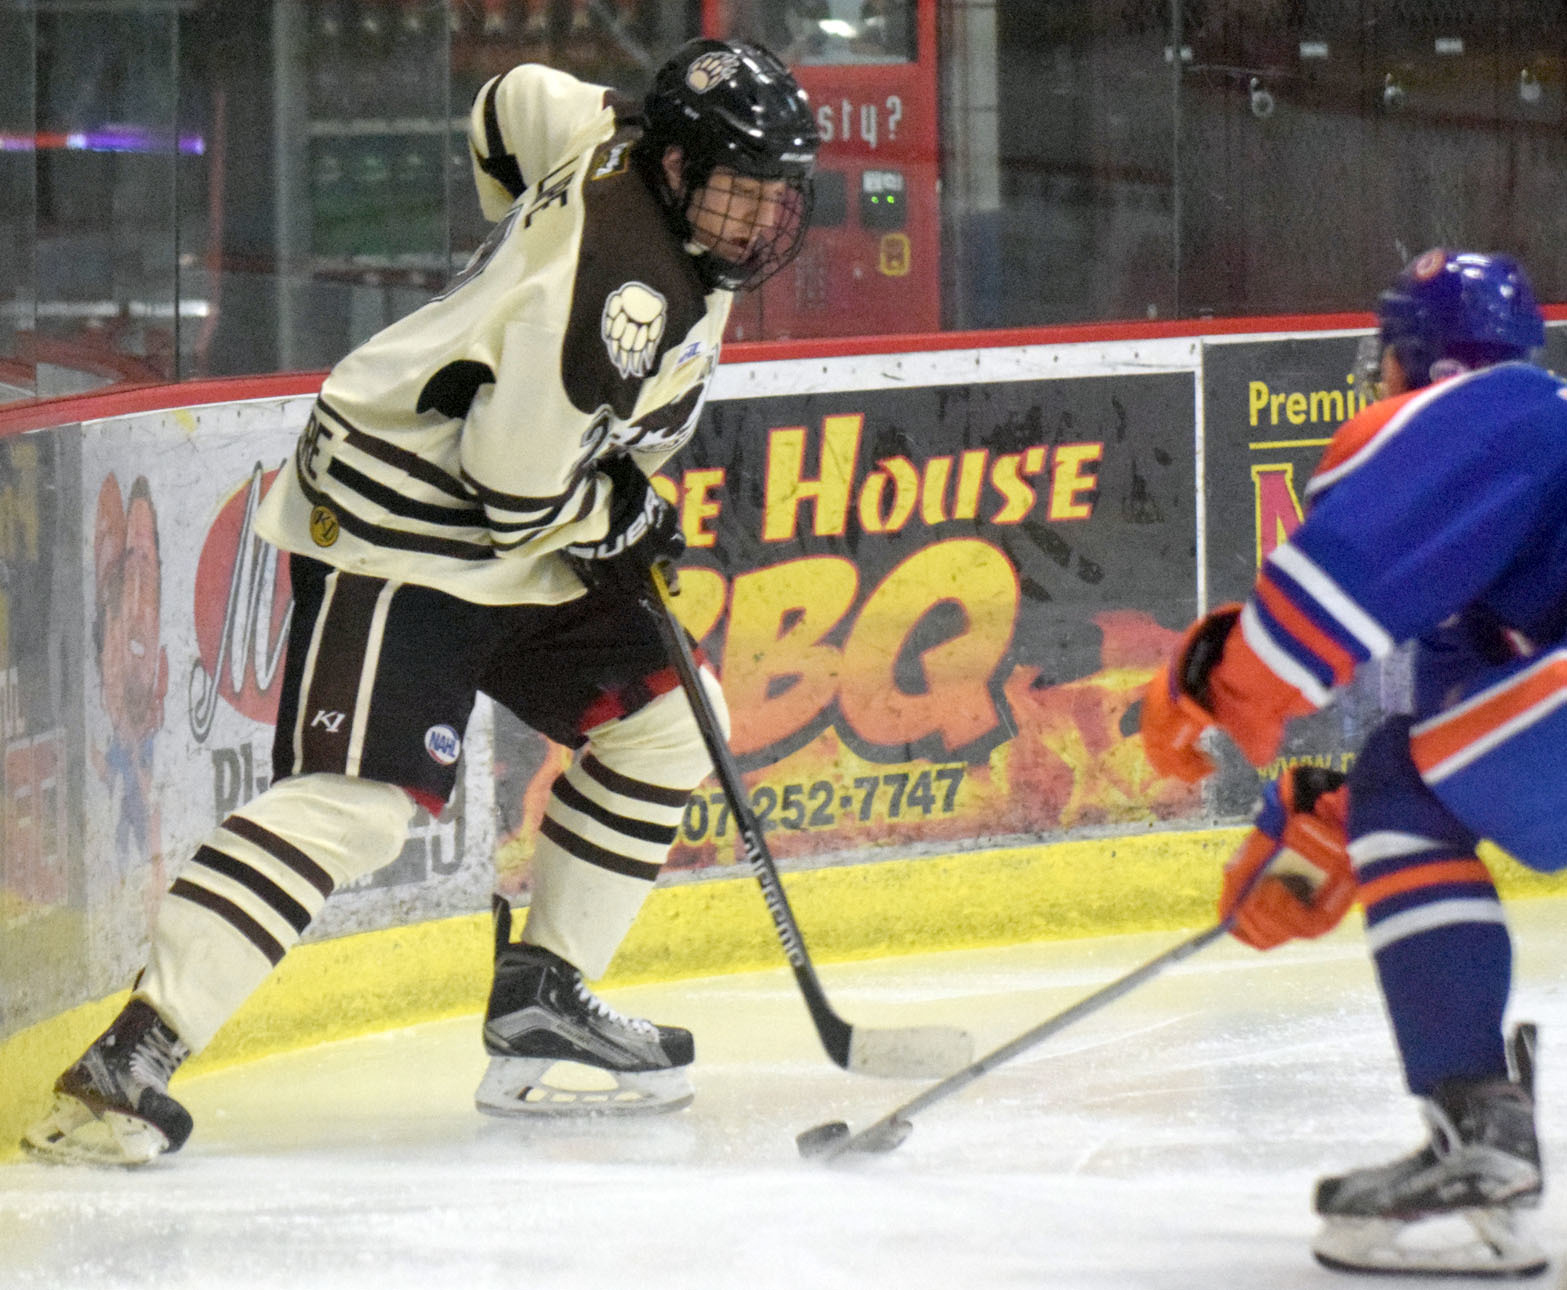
(733,105)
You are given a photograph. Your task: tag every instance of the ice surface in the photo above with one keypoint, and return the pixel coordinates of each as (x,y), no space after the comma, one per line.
(1168,1142)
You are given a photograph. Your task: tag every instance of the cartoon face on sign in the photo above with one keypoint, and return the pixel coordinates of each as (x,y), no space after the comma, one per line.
(133,666)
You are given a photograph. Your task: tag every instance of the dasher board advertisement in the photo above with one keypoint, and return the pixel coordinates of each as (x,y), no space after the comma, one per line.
(42,897)
(190,613)
(933,608)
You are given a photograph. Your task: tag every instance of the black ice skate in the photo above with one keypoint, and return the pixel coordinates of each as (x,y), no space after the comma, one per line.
(557,1049)
(1481,1165)
(113,1106)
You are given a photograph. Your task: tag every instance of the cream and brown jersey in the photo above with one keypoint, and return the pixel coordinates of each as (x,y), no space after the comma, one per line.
(456,448)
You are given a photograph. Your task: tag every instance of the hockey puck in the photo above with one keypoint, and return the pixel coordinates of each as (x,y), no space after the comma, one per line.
(821,1139)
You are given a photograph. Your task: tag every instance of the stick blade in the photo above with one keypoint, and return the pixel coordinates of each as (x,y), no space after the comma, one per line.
(884,1135)
(832,1140)
(912,1052)
(822,1139)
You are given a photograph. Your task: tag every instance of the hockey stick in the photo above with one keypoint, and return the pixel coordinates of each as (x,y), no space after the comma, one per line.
(905,1052)
(832,1139)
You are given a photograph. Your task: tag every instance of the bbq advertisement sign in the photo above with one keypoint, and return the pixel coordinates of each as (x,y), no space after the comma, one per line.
(934,609)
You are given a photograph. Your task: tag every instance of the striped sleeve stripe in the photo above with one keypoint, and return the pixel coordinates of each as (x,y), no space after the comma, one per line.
(232,914)
(1447,743)
(1412,878)
(642,830)
(527,527)
(1274,623)
(1389,844)
(404,507)
(494,497)
(396,539)
(628,787)
(281,850)
(258,884)
(402,483)
(1400,903)
(595,855)
(1316,584)
(516,526)
(1279,660)
(1369,874)
(390,454)
(581,513)
(515,509)
(1425,918)
(499,164)
(1319,636)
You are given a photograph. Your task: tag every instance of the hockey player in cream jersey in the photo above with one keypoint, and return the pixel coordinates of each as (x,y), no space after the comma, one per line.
(457,449)
(469,510)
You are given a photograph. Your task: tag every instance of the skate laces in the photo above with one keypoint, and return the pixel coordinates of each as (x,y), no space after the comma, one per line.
(1444,1133)
(156,1056)
(604,1012)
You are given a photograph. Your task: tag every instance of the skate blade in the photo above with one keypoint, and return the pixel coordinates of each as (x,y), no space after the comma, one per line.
(544,1086)
(73,1133)
(1465,1243)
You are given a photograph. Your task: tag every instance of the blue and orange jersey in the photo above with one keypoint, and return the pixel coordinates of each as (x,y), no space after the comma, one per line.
(1446,500)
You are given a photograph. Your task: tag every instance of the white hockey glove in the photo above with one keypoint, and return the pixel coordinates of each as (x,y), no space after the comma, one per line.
(644,530)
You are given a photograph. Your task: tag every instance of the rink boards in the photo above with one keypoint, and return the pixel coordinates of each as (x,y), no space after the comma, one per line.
(934,583)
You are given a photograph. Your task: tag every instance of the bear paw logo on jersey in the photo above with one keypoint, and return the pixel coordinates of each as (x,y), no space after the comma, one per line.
(443,744)
(711,69)
(632,326)
(323,526)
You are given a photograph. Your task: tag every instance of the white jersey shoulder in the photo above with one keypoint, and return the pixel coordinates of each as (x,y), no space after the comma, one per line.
(456,447)
(523,122)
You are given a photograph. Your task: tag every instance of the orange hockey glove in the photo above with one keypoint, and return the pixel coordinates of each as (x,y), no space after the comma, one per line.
(1175,704)
(1300,837)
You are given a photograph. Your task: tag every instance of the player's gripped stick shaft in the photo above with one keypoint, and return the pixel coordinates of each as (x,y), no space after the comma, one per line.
(899,1052)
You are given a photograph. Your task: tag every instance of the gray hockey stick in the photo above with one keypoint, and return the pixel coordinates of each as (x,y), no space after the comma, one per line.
(898,1053)
(832,1139)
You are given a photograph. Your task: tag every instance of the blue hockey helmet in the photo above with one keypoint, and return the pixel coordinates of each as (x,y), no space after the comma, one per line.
(1452,311)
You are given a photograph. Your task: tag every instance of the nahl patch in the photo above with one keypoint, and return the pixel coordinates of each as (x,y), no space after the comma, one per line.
(443,744)
(632,325)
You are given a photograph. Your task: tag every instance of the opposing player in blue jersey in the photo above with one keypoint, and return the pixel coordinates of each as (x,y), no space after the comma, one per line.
(1438,516)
